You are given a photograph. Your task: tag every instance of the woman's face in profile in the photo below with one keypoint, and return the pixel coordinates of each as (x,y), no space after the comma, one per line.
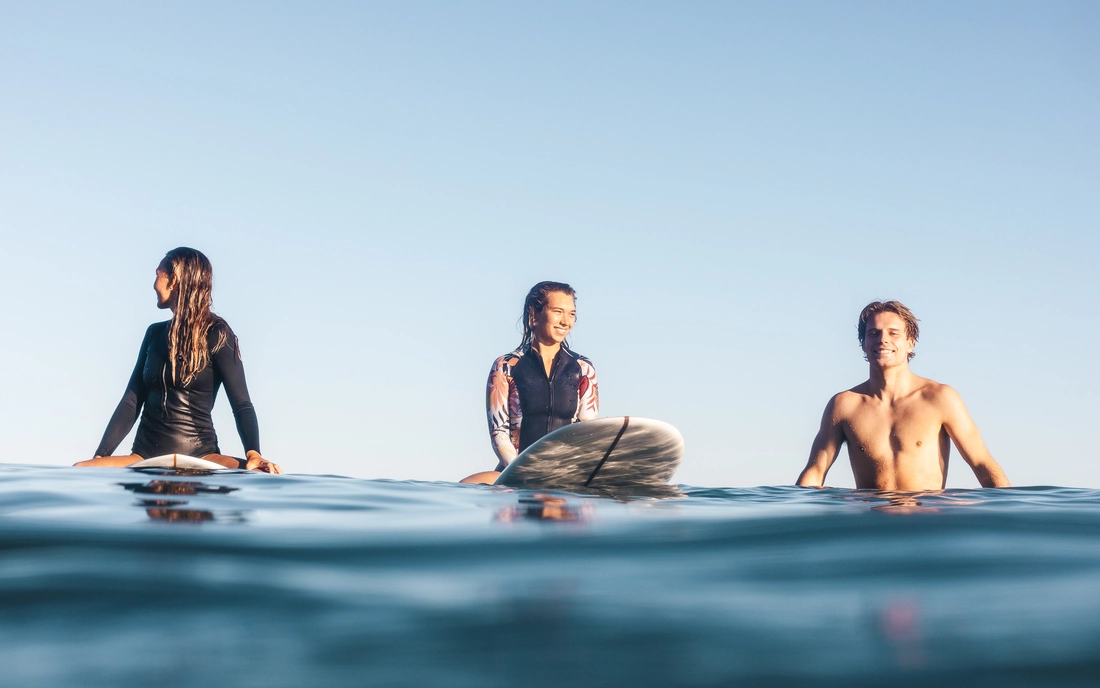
(556,319)
(166,291)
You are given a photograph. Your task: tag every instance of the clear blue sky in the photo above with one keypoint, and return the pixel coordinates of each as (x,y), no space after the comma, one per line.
(725,184)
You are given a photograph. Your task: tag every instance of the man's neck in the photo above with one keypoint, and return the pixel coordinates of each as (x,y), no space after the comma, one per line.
(890,383)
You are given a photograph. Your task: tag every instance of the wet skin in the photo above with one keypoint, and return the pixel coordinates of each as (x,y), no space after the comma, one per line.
(553,324)
(898,426)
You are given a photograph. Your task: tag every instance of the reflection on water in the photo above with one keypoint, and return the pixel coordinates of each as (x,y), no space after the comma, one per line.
(899,620)
(626,494)
(177,487)
(160,502)
(166,470)
(900,502)
(166,510)
(179,515)
(328,581)
(543,506)
(905,502)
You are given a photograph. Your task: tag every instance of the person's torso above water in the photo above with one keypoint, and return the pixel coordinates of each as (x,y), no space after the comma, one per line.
(176,410)
(549,401)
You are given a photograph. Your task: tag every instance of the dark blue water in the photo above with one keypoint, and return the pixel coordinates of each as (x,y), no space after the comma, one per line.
(113,577)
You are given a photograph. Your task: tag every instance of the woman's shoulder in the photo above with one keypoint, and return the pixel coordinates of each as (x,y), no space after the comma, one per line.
(506,362)
(581,358)
(158,330)
(221,334)
(587,369)
(218,325)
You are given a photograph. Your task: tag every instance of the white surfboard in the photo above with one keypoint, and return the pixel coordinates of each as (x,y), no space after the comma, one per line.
(178,461)
(598,454)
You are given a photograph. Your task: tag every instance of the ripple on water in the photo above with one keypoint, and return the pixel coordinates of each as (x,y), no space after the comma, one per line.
(119,577)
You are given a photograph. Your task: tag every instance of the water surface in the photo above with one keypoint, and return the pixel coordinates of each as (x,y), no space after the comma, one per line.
(117,577)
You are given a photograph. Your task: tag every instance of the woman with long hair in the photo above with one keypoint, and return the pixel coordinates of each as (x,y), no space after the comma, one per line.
(180,367)
(542,385)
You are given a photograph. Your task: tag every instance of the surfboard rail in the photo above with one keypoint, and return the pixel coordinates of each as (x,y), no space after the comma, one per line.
(179,461)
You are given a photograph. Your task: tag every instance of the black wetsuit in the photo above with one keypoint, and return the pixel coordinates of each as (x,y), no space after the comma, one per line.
(549,401)
(524,403)
(175,419)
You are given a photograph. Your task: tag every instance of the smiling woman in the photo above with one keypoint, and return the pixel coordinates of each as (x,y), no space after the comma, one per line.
(541,386)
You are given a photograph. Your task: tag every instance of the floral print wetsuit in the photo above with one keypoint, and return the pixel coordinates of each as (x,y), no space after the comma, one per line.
(523,403)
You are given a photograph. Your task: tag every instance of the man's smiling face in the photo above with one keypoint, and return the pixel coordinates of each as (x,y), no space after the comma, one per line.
(887,344)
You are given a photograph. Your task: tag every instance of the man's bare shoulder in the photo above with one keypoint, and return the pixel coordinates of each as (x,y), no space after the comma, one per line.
(849,400)
(938,394)
(924,389)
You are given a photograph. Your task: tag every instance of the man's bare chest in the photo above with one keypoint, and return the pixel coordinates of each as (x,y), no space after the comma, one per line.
(880,430)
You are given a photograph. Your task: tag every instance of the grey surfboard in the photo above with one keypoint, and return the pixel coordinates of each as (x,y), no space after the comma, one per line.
(606,453)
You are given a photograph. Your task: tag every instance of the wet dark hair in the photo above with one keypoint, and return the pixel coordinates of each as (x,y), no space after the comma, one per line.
(533,305)
(190,273)
(912,330)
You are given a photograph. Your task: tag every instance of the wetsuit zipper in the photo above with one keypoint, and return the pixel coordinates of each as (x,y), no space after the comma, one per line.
(529,373)
(550,389)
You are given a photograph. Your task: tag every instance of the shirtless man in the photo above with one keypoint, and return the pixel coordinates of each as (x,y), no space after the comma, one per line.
(898,426)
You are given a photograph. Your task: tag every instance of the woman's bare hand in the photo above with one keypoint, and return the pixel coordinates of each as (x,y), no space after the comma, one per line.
(259,463)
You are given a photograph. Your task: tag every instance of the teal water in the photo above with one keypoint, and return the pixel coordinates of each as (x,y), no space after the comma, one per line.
(115,577)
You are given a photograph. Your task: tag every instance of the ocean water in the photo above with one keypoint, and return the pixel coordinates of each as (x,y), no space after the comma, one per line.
(117,577)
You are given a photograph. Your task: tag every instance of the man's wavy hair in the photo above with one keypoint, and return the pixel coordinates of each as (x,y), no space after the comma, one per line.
(192,276)
(912,330)
(533,305)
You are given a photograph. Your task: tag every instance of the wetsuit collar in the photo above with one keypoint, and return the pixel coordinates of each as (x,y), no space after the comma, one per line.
(534,349)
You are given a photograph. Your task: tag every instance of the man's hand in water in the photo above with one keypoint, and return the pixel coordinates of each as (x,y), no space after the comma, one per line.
(259,463)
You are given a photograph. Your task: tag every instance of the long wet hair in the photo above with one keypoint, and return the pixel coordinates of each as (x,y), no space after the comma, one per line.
(192,276)
(533,305)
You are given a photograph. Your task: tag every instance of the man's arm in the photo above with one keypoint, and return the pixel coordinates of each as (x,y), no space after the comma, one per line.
(963,431)
(825,449)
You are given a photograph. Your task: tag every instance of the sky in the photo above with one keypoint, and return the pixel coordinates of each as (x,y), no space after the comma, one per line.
(725,185)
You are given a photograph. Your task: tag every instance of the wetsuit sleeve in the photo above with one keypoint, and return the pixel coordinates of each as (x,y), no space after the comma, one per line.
(228,365)
(588,393)
(129,408)
(503,411)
